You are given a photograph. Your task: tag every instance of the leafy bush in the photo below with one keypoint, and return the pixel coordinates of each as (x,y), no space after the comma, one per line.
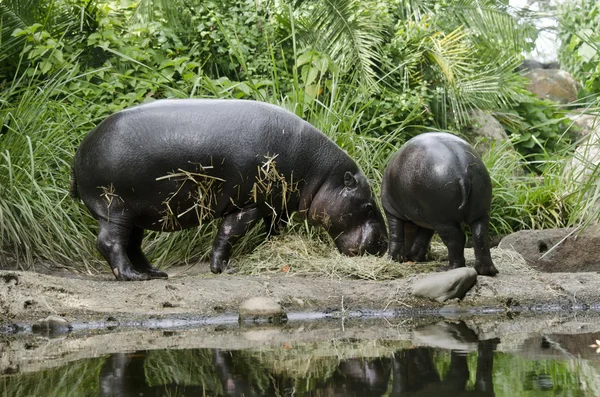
(579,36)
(537,128)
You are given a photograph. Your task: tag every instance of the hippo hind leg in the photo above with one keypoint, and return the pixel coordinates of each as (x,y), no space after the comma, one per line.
(420,244)
(483,259)
(137,257)
(454,238)
(113,240)
(396,247)
(233,227)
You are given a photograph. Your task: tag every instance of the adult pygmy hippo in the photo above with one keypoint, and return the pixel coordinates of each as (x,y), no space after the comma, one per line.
(435,183)
(174,164)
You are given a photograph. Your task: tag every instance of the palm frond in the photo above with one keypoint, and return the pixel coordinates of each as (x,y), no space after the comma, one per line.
(13,15)
(490,22)
(465,82)
(348,33)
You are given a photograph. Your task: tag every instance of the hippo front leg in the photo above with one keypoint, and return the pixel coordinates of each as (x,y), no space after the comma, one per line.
(272,224)
(420,245)
(234,227)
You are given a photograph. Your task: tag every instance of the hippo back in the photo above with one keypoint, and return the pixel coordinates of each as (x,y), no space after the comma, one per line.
(157,156)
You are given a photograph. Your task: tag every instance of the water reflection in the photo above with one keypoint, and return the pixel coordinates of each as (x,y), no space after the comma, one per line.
(415,371)
(416,374)
(446,359)
(411,372)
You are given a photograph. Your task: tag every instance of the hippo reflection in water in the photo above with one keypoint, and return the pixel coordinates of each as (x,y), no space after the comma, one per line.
(407,372)
(175,164)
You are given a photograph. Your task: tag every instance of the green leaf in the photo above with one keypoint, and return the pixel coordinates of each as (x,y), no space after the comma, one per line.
(312,76)
(304,58)
(587,52)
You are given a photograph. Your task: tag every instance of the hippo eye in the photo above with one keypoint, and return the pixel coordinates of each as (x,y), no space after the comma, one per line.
(369,208)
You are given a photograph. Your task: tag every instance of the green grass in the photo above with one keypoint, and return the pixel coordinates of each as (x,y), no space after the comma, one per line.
(45,118)
(37,218)
(524,200)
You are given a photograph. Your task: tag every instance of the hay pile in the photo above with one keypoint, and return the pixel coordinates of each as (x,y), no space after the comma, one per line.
(297,254)
(314,254)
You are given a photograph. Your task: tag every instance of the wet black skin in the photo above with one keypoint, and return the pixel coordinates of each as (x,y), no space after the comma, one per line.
(435,183)
(129,172)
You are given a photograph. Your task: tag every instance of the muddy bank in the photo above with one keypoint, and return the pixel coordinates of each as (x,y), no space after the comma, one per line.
(194,292)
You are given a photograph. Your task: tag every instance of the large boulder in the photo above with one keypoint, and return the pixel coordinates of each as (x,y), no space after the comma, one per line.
(553,84)
(558,250)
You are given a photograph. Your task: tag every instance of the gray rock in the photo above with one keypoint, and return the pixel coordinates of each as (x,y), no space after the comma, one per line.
(483,130)
(454,283)
(260,310)
(558,250)
(553,84)
(51,326)
(585,123)
(535,64)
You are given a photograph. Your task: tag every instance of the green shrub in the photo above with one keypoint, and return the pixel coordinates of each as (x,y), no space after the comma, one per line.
(579,36)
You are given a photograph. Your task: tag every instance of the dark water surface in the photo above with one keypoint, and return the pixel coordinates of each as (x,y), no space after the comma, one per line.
(441,359)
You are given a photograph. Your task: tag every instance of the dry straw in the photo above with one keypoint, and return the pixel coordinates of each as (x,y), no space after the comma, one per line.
(205,196)
(269,183)
(296,254)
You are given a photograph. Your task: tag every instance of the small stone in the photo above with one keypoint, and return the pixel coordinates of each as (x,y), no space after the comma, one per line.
(298,301)
(260,310)
(52,326)
(440,287)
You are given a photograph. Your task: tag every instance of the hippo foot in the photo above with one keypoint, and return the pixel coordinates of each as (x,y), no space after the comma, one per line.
(130,275)
(273,233)
(397,258)
(218,266)
(416,258)
(154,272)
(489,270)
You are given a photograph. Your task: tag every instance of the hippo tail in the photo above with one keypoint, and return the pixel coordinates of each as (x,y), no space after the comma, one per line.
(73,188)
(465,187)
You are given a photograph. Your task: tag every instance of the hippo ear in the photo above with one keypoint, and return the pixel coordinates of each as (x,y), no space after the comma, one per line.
(349,179)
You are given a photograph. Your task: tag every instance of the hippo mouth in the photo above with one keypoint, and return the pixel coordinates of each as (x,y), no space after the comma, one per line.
(369,238)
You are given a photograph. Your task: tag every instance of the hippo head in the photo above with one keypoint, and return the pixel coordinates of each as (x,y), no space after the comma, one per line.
(345,207)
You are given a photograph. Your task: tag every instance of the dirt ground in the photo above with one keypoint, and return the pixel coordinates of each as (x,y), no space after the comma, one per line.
(26,296)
